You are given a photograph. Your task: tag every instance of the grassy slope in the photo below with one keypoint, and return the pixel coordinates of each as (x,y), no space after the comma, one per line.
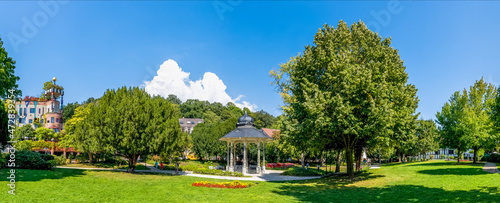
(423,181)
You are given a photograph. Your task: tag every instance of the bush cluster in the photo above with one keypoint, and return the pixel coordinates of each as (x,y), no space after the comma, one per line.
(3,160)
(234,185)
(217,172)
(34,160)
(492,157)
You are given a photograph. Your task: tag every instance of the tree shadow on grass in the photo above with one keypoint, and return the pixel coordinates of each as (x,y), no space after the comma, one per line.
(26,175)
(448,163)
(454,171)
(396,193)
(338,181)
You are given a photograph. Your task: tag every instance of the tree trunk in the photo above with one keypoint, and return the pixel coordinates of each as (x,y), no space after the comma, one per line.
(337,163)
(357,156)
(322,159)
(90,158)
(302,157)
(379,160)
(458,156)
(475,155)
(348,157)
(132,161)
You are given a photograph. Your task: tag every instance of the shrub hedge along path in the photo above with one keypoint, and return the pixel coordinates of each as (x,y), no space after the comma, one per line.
(270,175)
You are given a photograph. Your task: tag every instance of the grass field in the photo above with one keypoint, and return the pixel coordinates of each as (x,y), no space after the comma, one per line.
(432,181)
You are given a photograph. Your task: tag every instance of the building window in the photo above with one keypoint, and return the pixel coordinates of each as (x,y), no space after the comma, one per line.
(20,111)
(31,121)
(39,110)
(450,151)
(182,122)
(52,120)
(57,120)
(55,129)
(32,110)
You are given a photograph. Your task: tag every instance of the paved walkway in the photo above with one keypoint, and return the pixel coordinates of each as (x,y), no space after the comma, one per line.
(490,167)
(270,175)
(374,167)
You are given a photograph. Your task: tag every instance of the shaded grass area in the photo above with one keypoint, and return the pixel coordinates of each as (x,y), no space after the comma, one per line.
(435,181)
(105,165)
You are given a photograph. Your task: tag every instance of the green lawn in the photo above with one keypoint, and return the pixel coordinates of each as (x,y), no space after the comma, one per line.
(105,165)
(432,181)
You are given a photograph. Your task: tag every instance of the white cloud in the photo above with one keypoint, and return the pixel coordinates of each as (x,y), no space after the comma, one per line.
(170,79)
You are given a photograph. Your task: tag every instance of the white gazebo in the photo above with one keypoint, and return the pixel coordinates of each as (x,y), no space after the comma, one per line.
(245,133)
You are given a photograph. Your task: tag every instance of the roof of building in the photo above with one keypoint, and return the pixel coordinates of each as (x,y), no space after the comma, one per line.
(246,130)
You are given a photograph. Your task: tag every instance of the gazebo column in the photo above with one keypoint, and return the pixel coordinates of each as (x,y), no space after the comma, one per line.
(228,156)
(231,160)
(258,158)
(244,170)
(263,157)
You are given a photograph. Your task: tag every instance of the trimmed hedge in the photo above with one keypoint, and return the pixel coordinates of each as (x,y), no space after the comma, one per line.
(34,160)
(495,157)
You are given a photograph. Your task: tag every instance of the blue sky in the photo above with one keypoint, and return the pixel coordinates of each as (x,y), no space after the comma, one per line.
(93,46)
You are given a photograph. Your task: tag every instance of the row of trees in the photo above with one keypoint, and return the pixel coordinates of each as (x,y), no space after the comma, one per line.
(126,122)
(469,120)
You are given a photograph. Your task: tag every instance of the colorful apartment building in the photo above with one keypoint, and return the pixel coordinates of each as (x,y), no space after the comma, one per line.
(48,112)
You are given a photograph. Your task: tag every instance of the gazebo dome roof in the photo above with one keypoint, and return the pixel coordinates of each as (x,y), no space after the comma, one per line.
(245,120)
(245,129)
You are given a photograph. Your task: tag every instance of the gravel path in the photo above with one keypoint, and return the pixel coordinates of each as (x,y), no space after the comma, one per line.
(490,167)
(270,175)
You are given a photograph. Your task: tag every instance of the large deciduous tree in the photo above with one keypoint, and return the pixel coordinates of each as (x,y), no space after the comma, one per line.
(427,136)
(7,78)
(347,87)
(467,119)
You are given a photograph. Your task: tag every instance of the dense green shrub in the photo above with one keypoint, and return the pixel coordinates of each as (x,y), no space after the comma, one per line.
(431,156)
(60,160)
(47,157)
(217,172)
(31,160)
(52,163)
(492,157)
(3,160)
(442,156)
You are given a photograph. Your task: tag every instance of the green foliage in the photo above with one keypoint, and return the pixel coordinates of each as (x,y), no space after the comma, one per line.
(347,91)
(24,131)
(493,157)
(47,157)
(60,160)
(69,110)
(206,137)
(44,133)
(3,160)
(4,131)
(427,136)
(8,79)
(174,99)
(299,171)
(32,160)
(465,120)
(128,121)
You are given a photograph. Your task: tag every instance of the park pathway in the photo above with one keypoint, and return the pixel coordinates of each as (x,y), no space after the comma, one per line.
(490,167)
(270,175)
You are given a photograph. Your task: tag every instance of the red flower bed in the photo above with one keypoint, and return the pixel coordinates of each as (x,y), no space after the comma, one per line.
(279,165)
(233,185)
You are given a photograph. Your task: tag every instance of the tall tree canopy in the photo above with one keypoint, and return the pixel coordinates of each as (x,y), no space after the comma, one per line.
(206,137)
(7,78)
(427,136)
(350,86)
(130,122)
(467,120)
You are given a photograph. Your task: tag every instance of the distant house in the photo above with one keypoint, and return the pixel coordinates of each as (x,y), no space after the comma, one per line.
(187,124)
(275,134)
